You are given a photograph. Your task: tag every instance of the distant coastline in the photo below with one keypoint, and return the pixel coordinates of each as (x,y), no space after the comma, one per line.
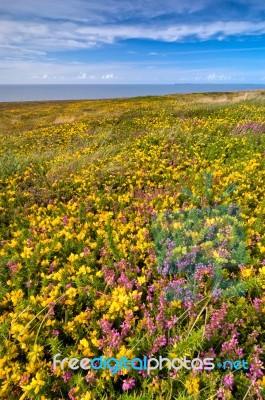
(46,92)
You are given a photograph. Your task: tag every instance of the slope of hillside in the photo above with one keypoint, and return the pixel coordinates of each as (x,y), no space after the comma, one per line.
(86,269)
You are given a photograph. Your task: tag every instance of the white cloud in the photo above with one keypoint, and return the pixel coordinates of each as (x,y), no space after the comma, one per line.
(37,39)
(12,50)
(111,11)
(82,75)
(108,76)
(101,10)
(219,77)
(82,24)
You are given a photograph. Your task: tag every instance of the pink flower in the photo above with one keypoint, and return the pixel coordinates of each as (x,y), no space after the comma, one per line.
(220,394)
(23,379)
(67,376)
(128,384)
(12,266)
(65,220)
(228,381)
(71,394)
(90,377)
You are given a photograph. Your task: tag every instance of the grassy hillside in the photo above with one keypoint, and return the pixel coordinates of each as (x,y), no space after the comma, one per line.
(82,274)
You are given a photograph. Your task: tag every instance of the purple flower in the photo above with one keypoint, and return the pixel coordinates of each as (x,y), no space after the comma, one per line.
(158,343)
(253,126)
(128,384)
(86,251)
(65,220)
(51,309)
(220,394)
(12,267)
(216,321)
(255,370)
(67,376)
(71,394)
(228,381)
(231,346)
(173,321)
(257,304)
(210,353)
(90,377)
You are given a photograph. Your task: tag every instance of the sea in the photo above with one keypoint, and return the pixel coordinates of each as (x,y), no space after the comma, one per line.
(44,92)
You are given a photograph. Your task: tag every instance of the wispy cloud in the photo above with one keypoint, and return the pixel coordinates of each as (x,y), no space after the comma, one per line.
(25,37)
(111,11)
(208,51)
(60,38)
(80,24)
(101,11)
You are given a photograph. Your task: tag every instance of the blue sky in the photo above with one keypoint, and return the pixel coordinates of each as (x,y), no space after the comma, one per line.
(139,41)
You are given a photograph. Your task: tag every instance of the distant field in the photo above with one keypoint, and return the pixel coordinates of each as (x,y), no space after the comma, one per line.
(81,259)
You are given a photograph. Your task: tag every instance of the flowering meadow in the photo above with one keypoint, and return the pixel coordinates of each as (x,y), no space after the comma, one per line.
(90,267)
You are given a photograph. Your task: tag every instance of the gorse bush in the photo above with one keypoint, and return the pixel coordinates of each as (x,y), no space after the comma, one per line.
(82,259)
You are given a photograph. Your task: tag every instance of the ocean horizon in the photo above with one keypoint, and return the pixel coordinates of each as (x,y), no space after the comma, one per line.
(53,92)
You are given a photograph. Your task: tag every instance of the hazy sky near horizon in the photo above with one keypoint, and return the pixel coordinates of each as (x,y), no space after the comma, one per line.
(140,41)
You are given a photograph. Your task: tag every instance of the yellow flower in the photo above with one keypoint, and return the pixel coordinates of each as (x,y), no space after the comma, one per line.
(95,342)
(82,318)
(27,252)
(175,303)
(58,246)
(192,385)
(261,382)
(141,280)
(13,243)
(125,352)
(87,396)
(73,257)
(262,270)
(36,352)
(84,342)
(246,272)
(35,384)
(15,296)
(261,248)
(176,225)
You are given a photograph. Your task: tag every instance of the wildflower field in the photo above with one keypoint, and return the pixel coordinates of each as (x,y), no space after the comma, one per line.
(102,205)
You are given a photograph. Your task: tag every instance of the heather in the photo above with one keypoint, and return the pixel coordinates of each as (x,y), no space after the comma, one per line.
(114,216)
